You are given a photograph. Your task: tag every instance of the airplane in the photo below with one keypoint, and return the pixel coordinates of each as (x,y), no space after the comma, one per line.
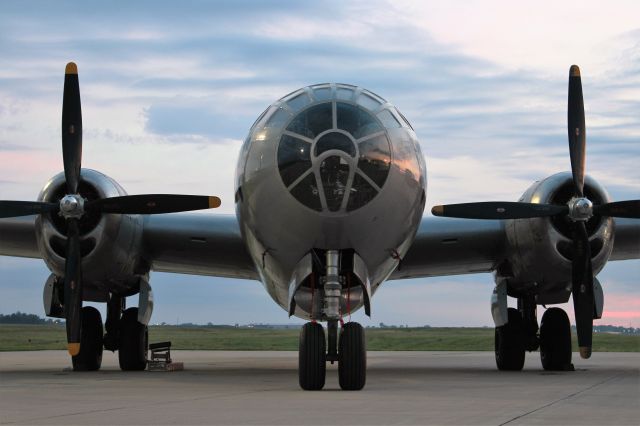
(330,191)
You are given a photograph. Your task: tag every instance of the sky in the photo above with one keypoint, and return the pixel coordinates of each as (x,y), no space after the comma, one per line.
(170,89)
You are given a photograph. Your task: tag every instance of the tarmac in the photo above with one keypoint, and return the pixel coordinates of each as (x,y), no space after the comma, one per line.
(221,387)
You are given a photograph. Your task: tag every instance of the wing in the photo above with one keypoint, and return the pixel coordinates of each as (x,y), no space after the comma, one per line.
(18,237)
(627,240)
(180,242)
(446,246)
(197,244)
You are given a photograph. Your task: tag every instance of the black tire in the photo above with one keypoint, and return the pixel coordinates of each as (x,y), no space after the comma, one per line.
(312,357)
(352,357)
(509,343)
(90,356)
(134,342)
(555,340)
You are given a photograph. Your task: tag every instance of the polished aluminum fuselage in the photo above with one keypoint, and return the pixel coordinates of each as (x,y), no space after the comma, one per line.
(279,230)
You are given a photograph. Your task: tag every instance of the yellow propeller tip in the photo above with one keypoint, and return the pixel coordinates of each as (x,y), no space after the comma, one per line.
(437,210)
(574,71)
(71,68)
(585,352)
(214,202)
(73,348)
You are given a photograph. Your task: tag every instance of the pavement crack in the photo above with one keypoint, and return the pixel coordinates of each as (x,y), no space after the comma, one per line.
(560,400)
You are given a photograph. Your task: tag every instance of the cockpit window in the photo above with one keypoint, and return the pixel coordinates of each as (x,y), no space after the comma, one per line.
(335,154)
(356,120)
(298,102)
(334,172)
(335,140)
(307,192)
(344,93)
(361,193)
(369,102)
(388,120)
(294,158)
(313,121)
(322,93)
(278,118)
(375,159)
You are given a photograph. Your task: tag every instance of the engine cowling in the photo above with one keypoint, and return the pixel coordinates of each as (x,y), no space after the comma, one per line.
(541,248)
(110,244)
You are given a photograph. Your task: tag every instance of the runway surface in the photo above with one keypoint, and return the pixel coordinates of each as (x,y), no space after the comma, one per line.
(262,388)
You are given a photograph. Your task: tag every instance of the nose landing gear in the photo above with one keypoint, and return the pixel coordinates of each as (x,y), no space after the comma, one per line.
(351,356)
(345,345)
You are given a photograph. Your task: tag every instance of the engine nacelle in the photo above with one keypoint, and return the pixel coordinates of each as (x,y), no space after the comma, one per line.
(110,244)
(541,248)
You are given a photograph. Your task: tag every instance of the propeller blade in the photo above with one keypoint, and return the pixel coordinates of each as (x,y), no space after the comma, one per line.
(153,204)
(25,208)
(73,288)
(582,288)
(71,128)
(577,130)
(630,208)
(498,210)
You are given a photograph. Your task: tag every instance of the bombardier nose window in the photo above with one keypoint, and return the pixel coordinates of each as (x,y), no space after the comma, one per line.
(334,154)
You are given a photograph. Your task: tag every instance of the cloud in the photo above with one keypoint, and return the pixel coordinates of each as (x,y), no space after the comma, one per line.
(169,91)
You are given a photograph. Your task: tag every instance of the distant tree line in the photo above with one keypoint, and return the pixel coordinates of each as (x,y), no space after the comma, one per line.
(22,318)
(613,329)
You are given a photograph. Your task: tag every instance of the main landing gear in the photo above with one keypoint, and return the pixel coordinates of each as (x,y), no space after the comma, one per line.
(90,356)
(351,355)
(555,340)
(123,333)
(134,342)
(521,334)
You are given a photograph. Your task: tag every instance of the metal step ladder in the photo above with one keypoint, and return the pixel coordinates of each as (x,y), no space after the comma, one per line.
(160,359)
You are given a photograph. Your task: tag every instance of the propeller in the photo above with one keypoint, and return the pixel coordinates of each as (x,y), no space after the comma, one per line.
(579,210)
(73,206)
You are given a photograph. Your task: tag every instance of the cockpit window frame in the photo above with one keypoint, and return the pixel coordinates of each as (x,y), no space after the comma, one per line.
(355,95)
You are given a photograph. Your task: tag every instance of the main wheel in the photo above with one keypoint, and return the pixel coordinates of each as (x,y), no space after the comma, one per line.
(312,357)
(90,356)
(509,343)
(555,340)
(134,342)
(352,357)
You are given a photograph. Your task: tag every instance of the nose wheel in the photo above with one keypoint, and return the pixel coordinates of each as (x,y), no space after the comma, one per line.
(352,357)
(312,356)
